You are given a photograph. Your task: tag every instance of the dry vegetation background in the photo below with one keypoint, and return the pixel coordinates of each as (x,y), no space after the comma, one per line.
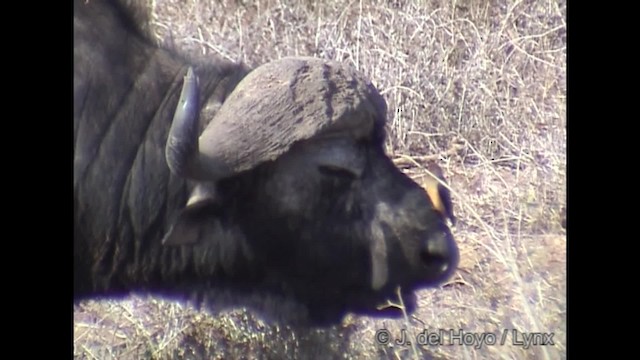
(478,85)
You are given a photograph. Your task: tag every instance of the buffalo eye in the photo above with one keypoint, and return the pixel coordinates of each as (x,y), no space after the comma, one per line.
(337,172)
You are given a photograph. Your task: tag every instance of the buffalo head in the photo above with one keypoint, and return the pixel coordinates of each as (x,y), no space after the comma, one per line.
(296,153)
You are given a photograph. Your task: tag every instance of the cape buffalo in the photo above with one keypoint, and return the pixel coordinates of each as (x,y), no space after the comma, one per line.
(271,183)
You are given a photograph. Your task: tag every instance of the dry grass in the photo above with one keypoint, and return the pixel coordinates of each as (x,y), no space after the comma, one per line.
(477,85)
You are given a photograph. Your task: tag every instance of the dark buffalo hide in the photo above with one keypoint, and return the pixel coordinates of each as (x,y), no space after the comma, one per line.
(309,221)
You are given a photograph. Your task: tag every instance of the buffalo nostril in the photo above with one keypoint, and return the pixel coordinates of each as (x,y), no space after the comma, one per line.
(440,256)
(435,260)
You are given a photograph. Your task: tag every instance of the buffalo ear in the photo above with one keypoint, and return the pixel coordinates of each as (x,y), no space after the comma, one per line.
(184,231)
(187,227)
